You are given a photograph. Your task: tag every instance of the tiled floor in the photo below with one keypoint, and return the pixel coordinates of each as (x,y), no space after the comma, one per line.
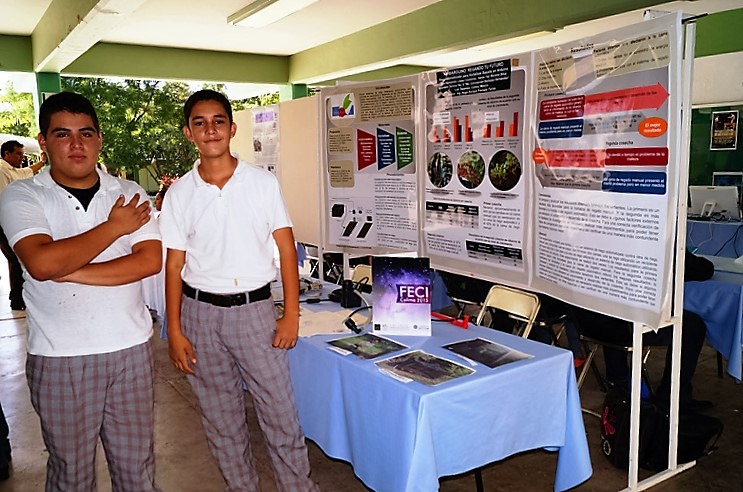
(183,462)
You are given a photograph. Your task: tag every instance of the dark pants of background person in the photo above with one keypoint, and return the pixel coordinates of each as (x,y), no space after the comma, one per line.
(4,445)
(692,340)
(16,273)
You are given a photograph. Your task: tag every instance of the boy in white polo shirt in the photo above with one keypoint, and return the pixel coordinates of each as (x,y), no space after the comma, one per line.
(85,239)
(219,223)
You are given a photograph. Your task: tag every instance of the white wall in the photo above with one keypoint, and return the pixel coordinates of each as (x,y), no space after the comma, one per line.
(718,79)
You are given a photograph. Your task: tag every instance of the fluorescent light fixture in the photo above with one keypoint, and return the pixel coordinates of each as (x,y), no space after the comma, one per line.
(260,13)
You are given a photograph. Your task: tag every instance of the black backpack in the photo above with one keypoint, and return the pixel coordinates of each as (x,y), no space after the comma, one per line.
(697,433)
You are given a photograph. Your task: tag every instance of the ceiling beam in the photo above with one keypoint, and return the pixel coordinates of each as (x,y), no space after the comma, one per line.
(69,28)
(152,62)
(448,24)
(381,74)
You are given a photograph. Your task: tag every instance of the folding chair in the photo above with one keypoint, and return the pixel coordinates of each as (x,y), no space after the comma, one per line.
(467,293)
(518,304)
(598,330)
(362,277)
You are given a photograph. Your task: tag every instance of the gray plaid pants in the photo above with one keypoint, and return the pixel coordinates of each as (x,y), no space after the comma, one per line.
(81,398)
(233,348)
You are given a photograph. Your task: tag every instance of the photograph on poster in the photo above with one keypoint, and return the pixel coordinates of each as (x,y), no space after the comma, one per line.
(724,131)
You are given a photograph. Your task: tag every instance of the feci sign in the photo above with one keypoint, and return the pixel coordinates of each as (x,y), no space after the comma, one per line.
(413,294)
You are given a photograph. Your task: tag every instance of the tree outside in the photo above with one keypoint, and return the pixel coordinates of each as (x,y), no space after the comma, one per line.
(17,113)
(141,121)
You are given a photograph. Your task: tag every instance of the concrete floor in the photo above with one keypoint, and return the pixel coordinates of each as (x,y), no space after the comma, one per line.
(184,464)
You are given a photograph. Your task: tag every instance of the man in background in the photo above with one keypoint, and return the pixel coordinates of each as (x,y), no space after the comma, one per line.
(10,170)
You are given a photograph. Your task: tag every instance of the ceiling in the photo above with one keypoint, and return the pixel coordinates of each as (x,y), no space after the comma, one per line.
(200,25)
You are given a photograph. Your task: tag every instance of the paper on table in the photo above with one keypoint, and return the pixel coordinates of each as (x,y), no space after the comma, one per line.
(723,264)
(323,322)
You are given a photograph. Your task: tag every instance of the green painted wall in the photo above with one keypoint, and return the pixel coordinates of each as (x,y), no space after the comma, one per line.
(703,161)
(293,91)
(48,82)
(719,33)
(152,62)
(15,53)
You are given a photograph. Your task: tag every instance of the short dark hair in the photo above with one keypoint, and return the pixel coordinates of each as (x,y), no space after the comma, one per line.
(206,95)
(162,191)
(72,102)
(9,146)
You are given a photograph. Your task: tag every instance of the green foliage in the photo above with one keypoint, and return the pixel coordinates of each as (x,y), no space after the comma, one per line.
(142,120)
(17,113)
(141,123)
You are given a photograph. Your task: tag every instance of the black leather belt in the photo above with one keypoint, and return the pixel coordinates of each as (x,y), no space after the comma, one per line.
(228,300)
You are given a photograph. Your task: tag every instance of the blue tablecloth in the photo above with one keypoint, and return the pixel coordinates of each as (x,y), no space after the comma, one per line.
(715,238)
(404,436)
(719,301)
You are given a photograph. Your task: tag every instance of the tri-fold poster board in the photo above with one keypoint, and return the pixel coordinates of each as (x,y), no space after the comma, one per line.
(554,170)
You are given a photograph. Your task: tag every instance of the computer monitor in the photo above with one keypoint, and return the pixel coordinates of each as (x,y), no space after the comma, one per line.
(709,200)
(730,178)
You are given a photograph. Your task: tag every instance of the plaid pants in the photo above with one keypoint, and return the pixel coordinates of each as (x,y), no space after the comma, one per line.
(233,347)
(81,398)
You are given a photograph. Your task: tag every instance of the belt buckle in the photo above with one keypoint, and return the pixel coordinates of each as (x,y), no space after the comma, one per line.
(239,299)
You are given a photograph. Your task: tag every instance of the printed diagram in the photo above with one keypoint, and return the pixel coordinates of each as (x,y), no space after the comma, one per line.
(351,220)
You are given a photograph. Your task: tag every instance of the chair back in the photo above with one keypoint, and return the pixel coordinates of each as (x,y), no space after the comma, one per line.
(519,304)
(362,273)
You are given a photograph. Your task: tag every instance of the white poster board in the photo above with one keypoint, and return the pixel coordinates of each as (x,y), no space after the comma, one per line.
(606,133)
(475,185)
(369,135)
(299,167)
(266,136)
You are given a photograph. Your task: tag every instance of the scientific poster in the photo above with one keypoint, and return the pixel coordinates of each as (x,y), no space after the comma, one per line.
(605,167)
(370,164)
(266,137)
(474,181)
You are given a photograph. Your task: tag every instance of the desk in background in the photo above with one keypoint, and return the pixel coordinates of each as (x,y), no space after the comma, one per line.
(403,437)
(719,301)
(715,238)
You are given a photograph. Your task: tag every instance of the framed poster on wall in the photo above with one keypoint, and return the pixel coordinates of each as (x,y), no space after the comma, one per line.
(724,131)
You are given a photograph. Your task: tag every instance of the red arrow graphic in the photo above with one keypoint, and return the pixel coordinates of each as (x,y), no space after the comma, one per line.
(649,96)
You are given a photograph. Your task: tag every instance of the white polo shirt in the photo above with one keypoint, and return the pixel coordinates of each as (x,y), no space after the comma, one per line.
(227,233)
(8,173)
(65,318)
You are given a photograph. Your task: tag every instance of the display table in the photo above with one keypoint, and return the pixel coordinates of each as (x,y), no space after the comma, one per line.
(719,301)
(715,238)
(404,436)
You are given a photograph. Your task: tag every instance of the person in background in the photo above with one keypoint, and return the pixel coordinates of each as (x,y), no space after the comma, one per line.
(159,197)
(618,332)
(219,223)
(85,239)
(11,170)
